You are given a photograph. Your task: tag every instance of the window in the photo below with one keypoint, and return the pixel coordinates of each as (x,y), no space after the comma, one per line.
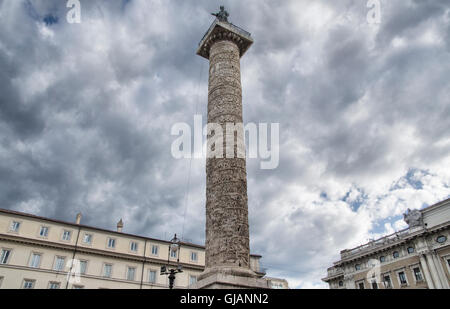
(77,287)
(134,246)
(130,273)
(66,235)
(418,274)
(382,259)
(173,254)
(59,263)
(374,285)
(341,283)
(358,267)
(107,270)
(402,278)
(192,280)
(396,255)
(54,285)
(361,285)
(28,284)
(155,250)
(152,276)
(194,256)
(4,257)
(83,267)
(43,232)
(14,226)
(87,239)
(35,260)
(387,282)
(111,243)
(277,286)
(411,250)
(441,239)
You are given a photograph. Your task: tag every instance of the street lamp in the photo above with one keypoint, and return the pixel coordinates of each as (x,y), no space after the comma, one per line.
(165,271)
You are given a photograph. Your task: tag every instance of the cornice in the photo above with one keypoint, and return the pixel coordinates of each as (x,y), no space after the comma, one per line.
(91,228)
(224,31)
(64,273)
(390,246)
(91,251)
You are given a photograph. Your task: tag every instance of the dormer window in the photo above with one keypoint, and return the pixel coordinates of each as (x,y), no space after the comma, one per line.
(134,246)
(194,256)
(111,243)
(43,231)
(173,254)
(14,226)
(66,235)
(87,239)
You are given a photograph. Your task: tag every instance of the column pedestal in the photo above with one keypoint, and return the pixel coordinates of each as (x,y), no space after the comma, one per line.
(230,278)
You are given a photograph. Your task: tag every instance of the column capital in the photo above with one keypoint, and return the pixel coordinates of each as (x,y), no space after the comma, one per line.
(220,31)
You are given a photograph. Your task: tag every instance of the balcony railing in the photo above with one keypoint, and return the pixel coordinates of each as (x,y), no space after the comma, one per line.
(376,243)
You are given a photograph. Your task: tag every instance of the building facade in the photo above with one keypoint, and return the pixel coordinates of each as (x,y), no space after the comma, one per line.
(37,252)
(277,284)
(415,258)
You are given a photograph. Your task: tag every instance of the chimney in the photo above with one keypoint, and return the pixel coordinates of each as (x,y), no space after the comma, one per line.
(120,226)
(79,218)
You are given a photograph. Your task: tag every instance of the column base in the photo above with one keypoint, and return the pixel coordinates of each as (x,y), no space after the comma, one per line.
(230,278)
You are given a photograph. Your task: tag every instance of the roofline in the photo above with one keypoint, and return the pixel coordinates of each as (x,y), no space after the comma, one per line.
(277,279)
(426,209)
(369,252)
(404,230)
(22,214)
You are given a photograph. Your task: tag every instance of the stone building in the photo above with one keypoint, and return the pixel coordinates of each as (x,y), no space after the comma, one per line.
(35,252)
(415,258)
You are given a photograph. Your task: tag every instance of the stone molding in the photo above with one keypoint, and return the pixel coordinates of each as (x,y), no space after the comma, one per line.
(220,31)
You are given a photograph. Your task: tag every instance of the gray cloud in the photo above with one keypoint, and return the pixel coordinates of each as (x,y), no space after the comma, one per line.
(86,112)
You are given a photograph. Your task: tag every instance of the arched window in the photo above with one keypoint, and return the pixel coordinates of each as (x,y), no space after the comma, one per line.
(382,259)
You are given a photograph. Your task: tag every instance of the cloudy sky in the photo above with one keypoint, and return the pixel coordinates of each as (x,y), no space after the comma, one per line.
(86,112)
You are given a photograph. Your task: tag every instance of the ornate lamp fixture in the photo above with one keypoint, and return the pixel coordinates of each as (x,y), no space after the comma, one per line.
(174,248)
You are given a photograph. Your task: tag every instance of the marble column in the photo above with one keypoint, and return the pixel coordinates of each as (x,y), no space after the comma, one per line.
(227,224)
(426,272)
(434,273)
(440,270)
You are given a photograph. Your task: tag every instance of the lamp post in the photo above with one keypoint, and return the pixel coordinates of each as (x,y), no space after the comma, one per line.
(172,272)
